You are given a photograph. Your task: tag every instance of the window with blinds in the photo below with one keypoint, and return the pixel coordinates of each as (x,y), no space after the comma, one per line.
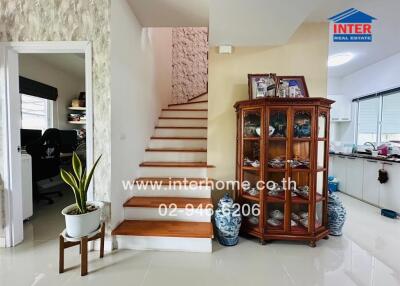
(36,112)
(390,126)
(368,114)
(378,117)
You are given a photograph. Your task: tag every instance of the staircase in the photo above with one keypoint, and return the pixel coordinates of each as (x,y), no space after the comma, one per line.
(164,216)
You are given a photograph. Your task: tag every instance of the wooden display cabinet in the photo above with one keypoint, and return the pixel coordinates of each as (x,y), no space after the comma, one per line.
(278,140)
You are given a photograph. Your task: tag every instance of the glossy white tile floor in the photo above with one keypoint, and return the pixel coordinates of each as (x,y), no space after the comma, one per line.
(367,254)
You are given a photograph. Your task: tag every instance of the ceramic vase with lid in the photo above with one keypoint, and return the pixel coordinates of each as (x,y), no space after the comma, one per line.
(227,221)
(336,214)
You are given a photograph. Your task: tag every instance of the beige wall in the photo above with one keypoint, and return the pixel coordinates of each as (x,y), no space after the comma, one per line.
(305,54)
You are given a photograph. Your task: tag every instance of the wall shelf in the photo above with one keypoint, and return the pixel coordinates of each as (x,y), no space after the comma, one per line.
(77,122)
(78,108)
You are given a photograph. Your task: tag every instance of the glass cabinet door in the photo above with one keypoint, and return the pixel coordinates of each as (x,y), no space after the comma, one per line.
(300,168)
(250,164)
(321,168)
(276,169)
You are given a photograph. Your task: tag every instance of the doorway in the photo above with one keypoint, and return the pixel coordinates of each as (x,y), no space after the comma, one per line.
(47,88)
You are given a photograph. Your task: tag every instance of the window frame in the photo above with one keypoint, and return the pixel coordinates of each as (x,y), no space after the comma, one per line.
(380,95)
(49,111)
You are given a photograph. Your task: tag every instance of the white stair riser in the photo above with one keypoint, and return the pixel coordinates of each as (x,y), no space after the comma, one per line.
(203,97)
(176,156)
(176,132)
(183,113)
(175,172)
(177,143)
(166,191)
(169,214)
(164,243)
(201,105)
(183,122)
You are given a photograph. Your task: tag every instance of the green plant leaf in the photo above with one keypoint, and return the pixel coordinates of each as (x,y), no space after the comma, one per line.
(82,200)
(70,180)
(77,166)
(79,181)
(90,175)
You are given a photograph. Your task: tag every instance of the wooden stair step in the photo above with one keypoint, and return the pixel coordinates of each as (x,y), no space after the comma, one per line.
(175,150)
(180,202)
(176,164)
(168,181)
(188,103)
(188,109)
(178,138)
(184,118)
(164,229)
(180,127)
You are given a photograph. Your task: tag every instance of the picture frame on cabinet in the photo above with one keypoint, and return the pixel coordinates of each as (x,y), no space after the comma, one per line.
(291,86)
(261,85)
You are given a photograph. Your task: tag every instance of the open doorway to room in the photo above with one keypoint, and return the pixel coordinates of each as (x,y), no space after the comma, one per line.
(53,125)
(49,115)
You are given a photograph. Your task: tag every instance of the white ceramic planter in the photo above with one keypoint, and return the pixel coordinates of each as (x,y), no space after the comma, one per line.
(84,224)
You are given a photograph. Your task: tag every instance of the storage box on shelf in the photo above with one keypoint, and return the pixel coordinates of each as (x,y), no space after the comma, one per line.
(284,139)
(79,117)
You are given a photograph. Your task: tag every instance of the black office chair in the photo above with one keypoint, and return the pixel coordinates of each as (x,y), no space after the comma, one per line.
(45,161)
(69,142)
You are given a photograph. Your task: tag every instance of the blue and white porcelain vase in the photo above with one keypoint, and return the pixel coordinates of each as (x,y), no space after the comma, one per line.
(227,220)
(336,214)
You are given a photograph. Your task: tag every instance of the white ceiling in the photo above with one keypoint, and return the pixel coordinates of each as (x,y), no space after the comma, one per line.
(257,22)
(73,64)
(235,22)
(271,22)
(171,13)
(386,32)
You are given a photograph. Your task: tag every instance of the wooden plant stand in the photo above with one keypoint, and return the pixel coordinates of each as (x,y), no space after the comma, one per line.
(67,242)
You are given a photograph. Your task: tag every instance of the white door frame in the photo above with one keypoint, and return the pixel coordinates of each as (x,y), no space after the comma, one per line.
(85,47)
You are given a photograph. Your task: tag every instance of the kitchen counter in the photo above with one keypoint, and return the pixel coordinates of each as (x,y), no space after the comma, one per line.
(366,156)
(358,175)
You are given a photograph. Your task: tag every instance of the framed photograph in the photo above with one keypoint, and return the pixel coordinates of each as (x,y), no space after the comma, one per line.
(292,86)
(261,85)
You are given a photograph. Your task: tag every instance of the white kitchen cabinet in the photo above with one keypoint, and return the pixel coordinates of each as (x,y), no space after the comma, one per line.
(354,176)
(339,171)
(341,109)
(371,185)
(389,197)
(358,177)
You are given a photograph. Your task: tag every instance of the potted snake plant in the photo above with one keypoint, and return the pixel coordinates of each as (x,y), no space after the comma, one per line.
(82,217)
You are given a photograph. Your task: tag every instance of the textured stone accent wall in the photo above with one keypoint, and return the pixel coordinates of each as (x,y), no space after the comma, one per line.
(71,20)
(189,63)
